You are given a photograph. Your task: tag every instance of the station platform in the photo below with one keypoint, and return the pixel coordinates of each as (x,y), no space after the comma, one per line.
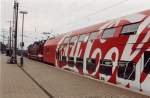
(39,80)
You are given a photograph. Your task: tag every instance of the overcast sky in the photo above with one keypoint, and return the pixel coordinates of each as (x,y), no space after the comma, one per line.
(61,16)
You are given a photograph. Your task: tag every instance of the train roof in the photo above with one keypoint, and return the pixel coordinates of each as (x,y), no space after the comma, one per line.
(136,17)
(96,27)
(146,12)
(53,41)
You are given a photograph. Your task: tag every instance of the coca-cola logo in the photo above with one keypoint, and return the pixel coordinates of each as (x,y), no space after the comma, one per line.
(128,48)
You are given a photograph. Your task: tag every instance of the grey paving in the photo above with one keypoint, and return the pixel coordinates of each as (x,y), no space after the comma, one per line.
(62,84)
(14,83)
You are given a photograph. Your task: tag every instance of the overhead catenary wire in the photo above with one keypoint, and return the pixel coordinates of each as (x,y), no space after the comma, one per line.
(97,12)
(106,8)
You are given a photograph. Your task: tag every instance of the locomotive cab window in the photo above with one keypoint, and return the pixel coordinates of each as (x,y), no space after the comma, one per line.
(93,36)
(126,70)
(83,38)
(108,33)
(147,62)
(106,67)
(130,29)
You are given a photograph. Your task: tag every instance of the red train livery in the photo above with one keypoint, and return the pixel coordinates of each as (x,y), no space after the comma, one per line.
(116,51)
(35,50)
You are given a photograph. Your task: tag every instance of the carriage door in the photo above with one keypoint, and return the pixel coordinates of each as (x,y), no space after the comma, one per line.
(146,70)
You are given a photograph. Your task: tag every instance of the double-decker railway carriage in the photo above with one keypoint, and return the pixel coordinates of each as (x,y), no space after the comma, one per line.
(116,51)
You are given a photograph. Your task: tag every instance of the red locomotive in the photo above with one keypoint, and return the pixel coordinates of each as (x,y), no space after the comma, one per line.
(35,50)
(116,51)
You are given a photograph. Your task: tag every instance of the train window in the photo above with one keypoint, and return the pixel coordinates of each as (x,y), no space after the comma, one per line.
(126,70)
(130,29)
(83,38)
(71,61)
(93,36)
(121,69)
(64,59)
(66,40)
(108,33)
(79,62)
(74,39)
(147,62)
(91,64)
(106,67)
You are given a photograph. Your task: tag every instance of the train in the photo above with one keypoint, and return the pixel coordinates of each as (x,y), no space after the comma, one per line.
(116,51)
(35,50)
